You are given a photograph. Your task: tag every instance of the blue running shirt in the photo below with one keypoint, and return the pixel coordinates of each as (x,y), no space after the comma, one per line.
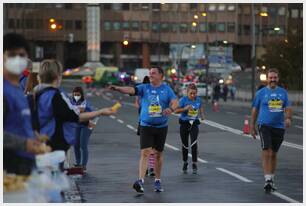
(153,101)
(271,104)
(193,113)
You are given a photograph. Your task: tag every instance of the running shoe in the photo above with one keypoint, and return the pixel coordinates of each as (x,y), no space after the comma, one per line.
(185,166)
(138,186)
(194,168)
(268,187)
(157,186)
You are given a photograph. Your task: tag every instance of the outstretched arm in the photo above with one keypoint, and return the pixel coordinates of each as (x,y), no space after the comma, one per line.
(124,90)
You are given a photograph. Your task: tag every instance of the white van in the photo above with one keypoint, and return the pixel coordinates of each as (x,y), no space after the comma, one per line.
(140,73)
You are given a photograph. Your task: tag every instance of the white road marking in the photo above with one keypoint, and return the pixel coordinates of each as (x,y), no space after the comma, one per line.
(171,147)
(131,127)
(199,159)
(120,121)
(231,113)
(297,126)
(297,117)
(234,174)
(109,94)
(112,116)
(223,127)
(284,197)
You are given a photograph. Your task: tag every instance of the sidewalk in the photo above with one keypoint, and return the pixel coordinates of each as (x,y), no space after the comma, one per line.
(248,104)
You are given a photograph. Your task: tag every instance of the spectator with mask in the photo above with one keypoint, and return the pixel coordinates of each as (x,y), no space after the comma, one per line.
(17,115)
(83,130)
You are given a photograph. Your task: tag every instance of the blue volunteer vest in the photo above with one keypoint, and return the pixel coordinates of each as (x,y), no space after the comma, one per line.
(46,119)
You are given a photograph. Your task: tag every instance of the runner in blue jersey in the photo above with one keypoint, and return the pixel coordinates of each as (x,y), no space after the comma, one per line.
(158,101)
(273,109)
(191,109)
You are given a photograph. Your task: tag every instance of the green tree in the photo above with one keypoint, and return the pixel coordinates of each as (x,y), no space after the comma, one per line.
(287,56)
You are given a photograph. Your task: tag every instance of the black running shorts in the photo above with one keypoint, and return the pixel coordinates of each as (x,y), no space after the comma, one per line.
(153,137)
(271,137)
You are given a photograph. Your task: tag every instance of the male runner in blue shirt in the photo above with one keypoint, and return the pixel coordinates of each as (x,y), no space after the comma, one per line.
(272,107)
(158,101)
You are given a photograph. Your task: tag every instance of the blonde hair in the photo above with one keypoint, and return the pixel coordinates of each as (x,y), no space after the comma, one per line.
(50,70)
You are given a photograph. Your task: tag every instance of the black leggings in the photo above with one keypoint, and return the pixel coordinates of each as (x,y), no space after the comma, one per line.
(187,129)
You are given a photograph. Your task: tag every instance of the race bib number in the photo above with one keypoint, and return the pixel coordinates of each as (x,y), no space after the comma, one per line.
(193,113)
(155,111)
(275,105)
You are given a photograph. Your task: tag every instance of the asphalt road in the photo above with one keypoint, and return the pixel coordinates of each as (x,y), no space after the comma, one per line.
(229,162)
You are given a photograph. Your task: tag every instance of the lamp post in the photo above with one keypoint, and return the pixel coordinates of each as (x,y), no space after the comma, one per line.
(253,53)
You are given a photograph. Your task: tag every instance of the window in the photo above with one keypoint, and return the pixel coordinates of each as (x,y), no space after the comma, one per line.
(174,27)
(246,29)
(126,25)
(107,26)
(135,6)
(203,27)
(193,6)
(231,7)
(29,24)
(68,24)
(107,6)
(59,6)
(221,27)
(155,27)
(183,27)
(221,7)
(39,24)
(125,7)
(116,7)
(164,27)
(173,7)
(246,10)
(78,25)
(135,25)
(231,27)
(11,24)
(212,27)
(294,13)
(144,26)
(239,29)
(68,6)
(145,6)
(116,26)
(264,9)
(155,7)
(212,7)
(17,24)
(282,11)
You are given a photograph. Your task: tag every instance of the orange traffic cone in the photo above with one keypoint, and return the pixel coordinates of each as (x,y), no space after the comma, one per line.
(246,126)
(215,106)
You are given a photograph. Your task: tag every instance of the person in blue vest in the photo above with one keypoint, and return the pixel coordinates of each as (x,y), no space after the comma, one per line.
(54,109)
(191,109)
(158,101)
(17,115)
(274,112)
(84,129)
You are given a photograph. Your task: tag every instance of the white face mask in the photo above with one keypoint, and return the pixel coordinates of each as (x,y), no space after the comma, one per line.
(16,65)
(77,98)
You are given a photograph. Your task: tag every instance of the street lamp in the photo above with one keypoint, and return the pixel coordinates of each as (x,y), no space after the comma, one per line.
(194,24)
(125,42)
(195,16)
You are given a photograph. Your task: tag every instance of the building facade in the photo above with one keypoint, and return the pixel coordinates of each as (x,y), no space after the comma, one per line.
(149,29)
